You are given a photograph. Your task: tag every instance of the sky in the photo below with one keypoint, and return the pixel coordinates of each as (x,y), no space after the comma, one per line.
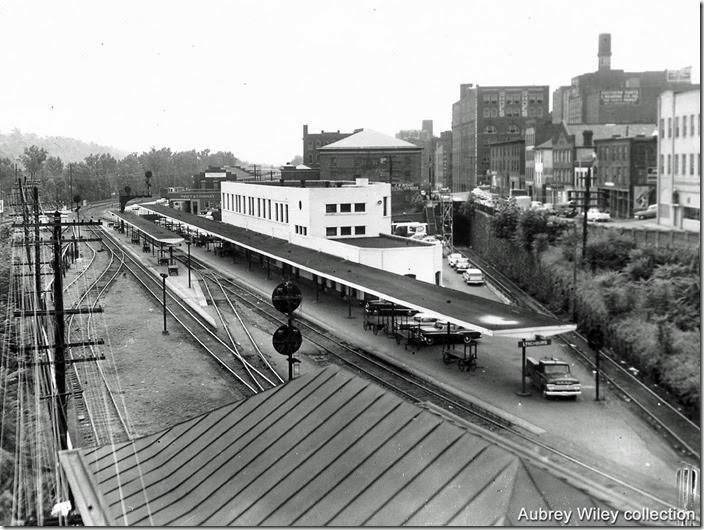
(245,76)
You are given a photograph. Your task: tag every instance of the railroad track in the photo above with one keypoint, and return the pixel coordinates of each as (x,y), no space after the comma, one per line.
(250,376)
(100,410)
(487,425)
(683,434)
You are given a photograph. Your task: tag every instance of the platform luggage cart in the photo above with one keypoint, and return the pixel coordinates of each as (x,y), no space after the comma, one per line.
(382,315)
(466,360)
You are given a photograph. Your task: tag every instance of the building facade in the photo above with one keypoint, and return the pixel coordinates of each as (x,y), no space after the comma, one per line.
(443,160)
(626,174)
(424,139)
(679,159)
(314,141)
(486,115)
(542,161)
(348,219)
(614,96)
(574,154)
(372,155)
(534,135)
(507,166)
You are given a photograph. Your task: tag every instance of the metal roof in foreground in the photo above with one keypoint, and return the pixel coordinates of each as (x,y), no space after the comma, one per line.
(474,312)
(326,449)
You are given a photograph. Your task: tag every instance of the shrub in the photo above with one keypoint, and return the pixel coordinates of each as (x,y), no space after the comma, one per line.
(609,252)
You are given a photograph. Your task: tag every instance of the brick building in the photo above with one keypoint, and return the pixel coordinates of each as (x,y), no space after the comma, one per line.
(507,166)
(314,141)
(373,155)
(574,153)
(486,115)
(443,160)
(424,139)
(614,96)
(626,174)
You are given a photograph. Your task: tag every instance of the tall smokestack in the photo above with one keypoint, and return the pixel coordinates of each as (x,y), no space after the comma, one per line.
(605,51)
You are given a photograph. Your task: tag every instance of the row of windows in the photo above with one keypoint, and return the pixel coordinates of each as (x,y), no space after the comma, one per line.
(511,129)
(613,152)
(301,230)
(513,99)
(256,207)
(693,130)
(680,164)
(345,207)
(332,231)
(513,112)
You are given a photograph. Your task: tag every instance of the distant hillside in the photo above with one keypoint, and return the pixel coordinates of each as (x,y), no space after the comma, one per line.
(67,149)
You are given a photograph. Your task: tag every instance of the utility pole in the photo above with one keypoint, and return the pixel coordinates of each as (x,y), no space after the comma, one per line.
(587,182)
(59,333)
(39,301)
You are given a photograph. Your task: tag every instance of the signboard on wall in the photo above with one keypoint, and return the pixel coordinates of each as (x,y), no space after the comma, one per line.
(626,96)
(683,75)
(642,196)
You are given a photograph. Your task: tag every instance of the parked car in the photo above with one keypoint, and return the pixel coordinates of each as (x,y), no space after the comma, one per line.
(597,216)
(473,276)
(566,209)
(452,258)
(437,334)
(553,377)
(462,264)
(648,213)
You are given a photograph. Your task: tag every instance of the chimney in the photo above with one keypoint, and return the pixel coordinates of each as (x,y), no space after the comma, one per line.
(587,136)
(605,51)
(305,130)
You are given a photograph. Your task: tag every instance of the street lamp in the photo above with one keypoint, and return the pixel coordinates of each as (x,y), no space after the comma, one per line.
(163,289)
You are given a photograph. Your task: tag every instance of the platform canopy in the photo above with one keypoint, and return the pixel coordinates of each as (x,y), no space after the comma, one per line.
(489,317)
(326,449)
(152,230)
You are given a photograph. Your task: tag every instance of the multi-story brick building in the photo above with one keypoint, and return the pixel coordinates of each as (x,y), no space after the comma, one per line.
(535,135)
(626,173)
(679,166)
(614,96)
(424,139)
(574,154)
(443,160)
(370,154)
(486,115)
(314,141)
(507,163)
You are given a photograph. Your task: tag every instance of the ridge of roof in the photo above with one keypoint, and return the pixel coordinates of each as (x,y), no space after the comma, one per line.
(367,139)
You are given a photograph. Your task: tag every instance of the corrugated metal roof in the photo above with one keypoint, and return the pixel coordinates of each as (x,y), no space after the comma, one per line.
(369,139)
(328,448)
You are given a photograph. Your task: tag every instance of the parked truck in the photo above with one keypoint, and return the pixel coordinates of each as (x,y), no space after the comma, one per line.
(553,377)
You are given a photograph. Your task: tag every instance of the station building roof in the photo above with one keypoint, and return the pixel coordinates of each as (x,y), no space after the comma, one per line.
(151,229)
(326,449)
(474,312)
(369,139)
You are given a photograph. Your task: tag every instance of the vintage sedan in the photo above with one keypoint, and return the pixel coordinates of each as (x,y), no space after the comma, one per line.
(597,216)
(439,334)
(648,213)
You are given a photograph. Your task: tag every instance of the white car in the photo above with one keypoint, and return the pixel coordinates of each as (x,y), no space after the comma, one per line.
(462,264)
(473,276)
(452,258)
(594,214)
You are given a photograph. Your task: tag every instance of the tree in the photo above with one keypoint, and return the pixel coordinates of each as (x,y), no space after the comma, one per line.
(505,220)
(33,159)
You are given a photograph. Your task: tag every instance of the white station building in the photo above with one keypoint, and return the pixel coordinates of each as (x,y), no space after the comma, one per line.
(349,219)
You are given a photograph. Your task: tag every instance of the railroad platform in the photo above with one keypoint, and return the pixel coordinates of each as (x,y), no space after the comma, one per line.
(608,434)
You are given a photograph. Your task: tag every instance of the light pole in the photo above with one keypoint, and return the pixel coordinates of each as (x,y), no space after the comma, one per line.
(188,244)
(163,289)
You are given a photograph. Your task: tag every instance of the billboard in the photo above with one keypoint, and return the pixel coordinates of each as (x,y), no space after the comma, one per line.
(683,75)
(625,96)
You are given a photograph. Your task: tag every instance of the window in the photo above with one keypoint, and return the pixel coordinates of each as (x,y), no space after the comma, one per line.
(286,221)
(269,207)
(385,207)
(331,208)
(359,207)
(691,124)
(677,126)
(330,231)
(669,127)
(677,166)
(662,163)
(487,112)
(669,164)
(345,207)
(691,164)
(345,230)
(489,129)
(494,113)
(684,125)
(514,129)
(540,112)
(259,207)
(662,128)
(360,230)
(333,161)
